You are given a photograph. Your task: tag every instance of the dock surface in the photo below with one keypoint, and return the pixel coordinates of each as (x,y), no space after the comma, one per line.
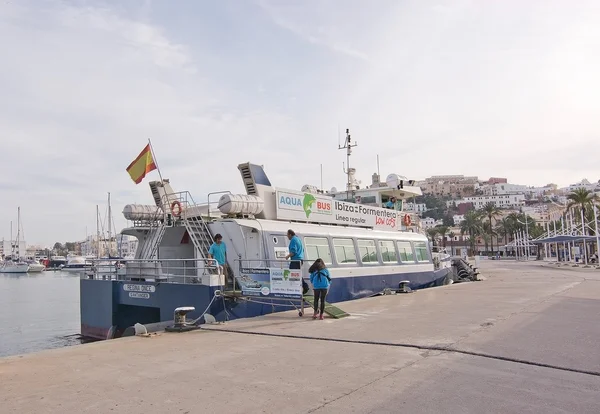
(525,340)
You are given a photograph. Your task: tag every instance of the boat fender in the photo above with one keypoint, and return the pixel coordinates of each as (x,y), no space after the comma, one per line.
(176,211)
(406,220)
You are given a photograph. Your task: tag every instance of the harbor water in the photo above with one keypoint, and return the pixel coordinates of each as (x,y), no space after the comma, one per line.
(38,311)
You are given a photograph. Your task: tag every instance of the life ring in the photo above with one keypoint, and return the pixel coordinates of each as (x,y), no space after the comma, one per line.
(406,220)
(177,212)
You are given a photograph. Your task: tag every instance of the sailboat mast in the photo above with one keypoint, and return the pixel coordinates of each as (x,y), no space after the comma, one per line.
(97,232)
(109,228)
(18,232)
(12,242)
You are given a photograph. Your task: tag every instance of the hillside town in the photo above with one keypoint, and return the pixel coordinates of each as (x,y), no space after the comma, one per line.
(467,215)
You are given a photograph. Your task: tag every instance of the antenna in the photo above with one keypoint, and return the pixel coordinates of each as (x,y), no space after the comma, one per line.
(378,168)
(321,177)
(348,145)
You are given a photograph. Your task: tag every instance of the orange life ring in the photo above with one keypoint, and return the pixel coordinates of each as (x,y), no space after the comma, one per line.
(177,212)
(406,220)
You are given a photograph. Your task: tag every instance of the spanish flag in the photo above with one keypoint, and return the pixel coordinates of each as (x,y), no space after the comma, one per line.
(142,165)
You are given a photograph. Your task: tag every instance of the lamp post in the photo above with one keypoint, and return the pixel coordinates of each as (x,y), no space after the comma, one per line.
(597,235)
(526,236)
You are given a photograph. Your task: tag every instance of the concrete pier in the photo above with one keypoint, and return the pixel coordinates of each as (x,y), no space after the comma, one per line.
(524,340)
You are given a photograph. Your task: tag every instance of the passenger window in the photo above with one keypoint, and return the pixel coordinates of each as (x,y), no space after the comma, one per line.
(344,251)
(388,252)
(406,252)
(317,247)
(367,251)
(421,252)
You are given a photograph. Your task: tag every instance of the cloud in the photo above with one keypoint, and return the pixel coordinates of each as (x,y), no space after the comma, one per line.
(309,21)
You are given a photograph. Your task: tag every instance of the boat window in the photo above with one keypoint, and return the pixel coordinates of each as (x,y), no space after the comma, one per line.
(368,200)
(344,251)
(406,251)
(317,247)
(421,252)
(388,252)
(368,253)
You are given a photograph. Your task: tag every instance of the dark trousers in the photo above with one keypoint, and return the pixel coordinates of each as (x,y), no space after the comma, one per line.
(320,294)
(296,264)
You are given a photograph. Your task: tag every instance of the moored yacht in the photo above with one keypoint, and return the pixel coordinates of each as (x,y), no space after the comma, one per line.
(14,267)
(35,266)
(77,264)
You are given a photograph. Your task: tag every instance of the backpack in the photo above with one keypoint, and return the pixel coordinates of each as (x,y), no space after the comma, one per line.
(320,273)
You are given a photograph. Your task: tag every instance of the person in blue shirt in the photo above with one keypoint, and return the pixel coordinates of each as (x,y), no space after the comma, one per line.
(320,279)
(391,204)
(296,250)
(218,252)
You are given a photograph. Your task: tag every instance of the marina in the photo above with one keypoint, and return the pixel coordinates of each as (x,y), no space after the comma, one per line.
(468,347)
(264,262)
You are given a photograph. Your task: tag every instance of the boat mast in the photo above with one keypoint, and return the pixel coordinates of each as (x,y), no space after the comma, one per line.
(18,232)
(109,228)
(12,243)
(97,232)
(348,147)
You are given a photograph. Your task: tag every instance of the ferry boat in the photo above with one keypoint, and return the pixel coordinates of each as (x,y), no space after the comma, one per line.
(366,248)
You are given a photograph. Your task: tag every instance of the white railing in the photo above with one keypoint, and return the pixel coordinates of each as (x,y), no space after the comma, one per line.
(186,271)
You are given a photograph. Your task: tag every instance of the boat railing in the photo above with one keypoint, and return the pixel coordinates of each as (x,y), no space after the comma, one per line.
(185,271)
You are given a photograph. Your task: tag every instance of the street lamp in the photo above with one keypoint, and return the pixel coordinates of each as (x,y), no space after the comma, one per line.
(526,234)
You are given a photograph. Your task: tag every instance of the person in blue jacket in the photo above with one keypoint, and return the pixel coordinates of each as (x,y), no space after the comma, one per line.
(320,279)
(296,250)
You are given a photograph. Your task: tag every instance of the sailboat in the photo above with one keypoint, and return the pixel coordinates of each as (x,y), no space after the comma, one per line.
(15,265)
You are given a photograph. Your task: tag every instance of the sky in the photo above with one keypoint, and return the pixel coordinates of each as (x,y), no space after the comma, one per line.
(502,89)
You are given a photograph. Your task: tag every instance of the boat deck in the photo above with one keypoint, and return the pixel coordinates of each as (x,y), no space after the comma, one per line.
(524,340)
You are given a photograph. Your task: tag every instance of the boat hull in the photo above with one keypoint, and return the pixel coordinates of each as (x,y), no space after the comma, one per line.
(35,268)
(113,306)
(14,268)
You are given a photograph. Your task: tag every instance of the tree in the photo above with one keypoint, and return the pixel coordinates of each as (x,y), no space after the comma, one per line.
(58,247)
(491,211)
(448,221)
(505,228)
(472,226)
(432,233)
(442,230)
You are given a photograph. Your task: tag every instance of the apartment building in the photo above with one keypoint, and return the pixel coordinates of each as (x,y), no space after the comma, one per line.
(500,201)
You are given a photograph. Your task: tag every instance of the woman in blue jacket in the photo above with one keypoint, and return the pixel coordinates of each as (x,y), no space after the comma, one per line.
(320,279)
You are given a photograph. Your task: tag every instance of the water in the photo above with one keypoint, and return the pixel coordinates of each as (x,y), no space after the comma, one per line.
(38,311)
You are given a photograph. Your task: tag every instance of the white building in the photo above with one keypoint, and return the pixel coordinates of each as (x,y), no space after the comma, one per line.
(504,188)
(500,201)
(91,247)
(7,247)
(459,218)
(415,207)
(585,184)
(427,223)
(126,245)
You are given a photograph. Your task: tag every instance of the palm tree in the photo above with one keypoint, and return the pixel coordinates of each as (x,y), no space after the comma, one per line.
(451,236)
(432,233)
(581,199)
(442,230)
(504,228)
(491,211)
(472,226)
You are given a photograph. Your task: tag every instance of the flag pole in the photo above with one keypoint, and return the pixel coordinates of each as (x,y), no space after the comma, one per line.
(154,159)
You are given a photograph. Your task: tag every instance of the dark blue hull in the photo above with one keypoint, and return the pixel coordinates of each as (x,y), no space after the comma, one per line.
(111,306)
